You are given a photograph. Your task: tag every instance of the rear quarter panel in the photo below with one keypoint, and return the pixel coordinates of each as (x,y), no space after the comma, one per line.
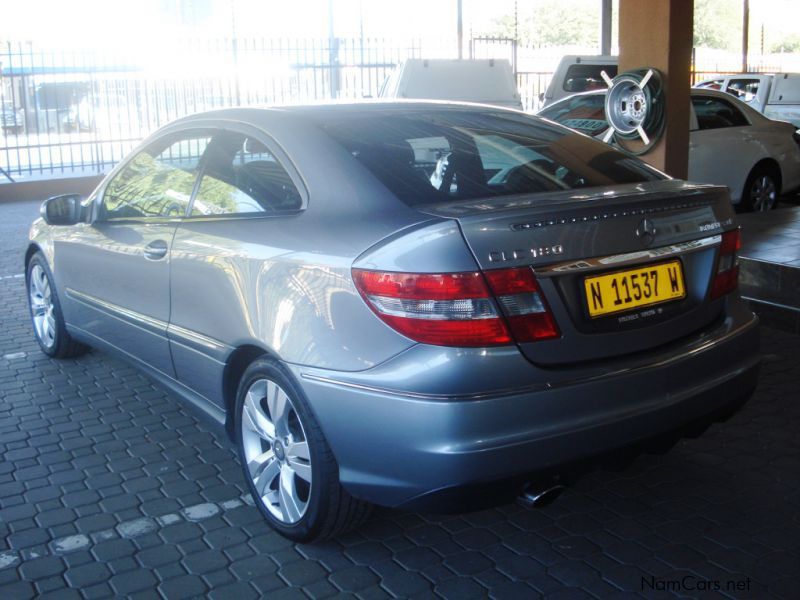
(724,157)
(280,283)
(775,141)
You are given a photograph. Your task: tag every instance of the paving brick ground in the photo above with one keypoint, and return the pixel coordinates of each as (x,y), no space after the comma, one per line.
(109,486)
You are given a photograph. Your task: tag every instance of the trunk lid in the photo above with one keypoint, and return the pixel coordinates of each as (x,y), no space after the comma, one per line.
(574,235)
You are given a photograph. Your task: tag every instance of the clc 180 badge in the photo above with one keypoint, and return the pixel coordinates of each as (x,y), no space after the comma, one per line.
(500,256)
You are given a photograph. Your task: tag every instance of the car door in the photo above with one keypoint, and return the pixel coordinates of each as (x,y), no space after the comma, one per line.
(115,270)
(720,147)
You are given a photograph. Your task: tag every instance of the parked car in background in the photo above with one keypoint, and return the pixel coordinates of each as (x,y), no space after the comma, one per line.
(776,96)
(370,333)
(487,81)
(575,74)
(11,120)
(79,117)
(729,144)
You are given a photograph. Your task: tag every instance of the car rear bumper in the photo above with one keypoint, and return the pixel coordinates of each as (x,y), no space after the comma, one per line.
(407,443)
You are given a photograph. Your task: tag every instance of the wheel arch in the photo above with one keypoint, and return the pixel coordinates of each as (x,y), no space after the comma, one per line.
(32,249)
(238,361)
(765,164)
(768,164)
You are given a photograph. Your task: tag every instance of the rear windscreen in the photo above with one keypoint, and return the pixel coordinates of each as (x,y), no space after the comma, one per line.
(442,155)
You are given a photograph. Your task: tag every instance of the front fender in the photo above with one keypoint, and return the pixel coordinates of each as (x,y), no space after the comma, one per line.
(40,239)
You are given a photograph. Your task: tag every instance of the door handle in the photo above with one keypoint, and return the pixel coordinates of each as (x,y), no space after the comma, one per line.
(155,250)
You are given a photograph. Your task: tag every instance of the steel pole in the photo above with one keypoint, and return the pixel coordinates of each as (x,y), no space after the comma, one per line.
(460,26)
(605,27)
(745,34)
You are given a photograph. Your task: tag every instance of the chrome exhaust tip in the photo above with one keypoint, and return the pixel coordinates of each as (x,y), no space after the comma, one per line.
(540,494)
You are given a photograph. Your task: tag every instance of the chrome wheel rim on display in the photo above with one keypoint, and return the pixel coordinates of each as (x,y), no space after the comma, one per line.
(763,193)
(627,106)
(41,298)
(276,451)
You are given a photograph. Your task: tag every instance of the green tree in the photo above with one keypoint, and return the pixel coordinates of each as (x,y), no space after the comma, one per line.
(788,43)
(552,23)
(718,24)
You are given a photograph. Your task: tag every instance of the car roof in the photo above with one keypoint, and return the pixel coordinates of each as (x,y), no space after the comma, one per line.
(347,108)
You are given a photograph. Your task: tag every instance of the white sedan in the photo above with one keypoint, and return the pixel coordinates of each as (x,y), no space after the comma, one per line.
(729,144)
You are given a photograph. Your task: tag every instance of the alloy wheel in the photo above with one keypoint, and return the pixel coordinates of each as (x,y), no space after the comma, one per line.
(41,299)
(276,451)
(763,193)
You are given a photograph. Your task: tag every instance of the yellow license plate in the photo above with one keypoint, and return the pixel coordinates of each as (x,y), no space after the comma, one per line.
(633,288)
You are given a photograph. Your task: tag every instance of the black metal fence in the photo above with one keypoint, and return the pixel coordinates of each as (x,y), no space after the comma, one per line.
(74,112)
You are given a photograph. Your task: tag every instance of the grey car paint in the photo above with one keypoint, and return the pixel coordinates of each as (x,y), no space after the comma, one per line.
(438,417)
(131,311)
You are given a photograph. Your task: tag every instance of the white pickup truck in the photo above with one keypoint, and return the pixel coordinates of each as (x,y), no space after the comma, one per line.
(776,96)
(487,81)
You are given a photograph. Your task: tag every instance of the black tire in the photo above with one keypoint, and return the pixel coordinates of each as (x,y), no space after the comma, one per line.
(761,190)
(329,510)
(61,344)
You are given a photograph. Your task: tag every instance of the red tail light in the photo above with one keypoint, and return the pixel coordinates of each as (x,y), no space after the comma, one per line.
(457,309)
(727,275)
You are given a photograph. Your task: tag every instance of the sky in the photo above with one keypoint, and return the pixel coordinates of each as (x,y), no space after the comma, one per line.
(129,24)
(117,22)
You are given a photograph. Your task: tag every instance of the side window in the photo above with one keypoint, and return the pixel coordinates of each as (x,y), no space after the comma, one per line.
(714,84)
(158,182)
(714,113)
(745,90)
(242,176)
(584,78)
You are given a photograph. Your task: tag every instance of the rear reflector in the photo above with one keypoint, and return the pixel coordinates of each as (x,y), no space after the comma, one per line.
(727,275)
(457,309)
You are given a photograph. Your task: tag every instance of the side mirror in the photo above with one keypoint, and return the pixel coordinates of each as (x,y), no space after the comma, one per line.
(62,210)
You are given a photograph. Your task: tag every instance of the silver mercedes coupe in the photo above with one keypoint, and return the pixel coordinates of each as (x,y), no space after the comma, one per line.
(428,306)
